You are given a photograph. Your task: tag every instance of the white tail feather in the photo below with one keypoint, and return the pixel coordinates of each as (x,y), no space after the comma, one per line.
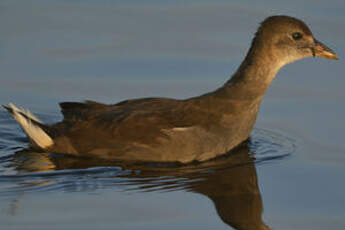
(35,133)
(24,111)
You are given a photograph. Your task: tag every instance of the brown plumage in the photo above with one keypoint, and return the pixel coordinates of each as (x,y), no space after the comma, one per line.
(194,129)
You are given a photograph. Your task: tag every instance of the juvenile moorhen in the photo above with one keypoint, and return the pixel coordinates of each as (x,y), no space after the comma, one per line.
(171,130)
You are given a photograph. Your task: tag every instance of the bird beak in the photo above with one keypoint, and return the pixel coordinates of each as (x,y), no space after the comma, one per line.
(321,50)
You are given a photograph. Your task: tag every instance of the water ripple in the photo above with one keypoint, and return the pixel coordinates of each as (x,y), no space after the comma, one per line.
(267,145)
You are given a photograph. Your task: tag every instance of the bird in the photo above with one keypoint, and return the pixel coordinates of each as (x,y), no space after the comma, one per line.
(188,130)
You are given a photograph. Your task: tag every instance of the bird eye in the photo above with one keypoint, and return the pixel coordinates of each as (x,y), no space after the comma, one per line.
(297,36)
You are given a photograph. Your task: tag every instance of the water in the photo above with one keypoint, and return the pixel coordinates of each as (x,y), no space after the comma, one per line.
(290,175)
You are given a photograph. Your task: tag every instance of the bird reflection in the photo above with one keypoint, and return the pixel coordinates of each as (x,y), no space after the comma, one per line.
(229,181)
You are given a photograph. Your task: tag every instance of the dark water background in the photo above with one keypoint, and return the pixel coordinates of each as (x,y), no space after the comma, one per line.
(290,176)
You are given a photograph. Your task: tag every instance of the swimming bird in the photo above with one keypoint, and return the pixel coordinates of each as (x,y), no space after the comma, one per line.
(171,130)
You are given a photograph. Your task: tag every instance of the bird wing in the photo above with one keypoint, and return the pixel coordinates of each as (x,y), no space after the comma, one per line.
(137,120)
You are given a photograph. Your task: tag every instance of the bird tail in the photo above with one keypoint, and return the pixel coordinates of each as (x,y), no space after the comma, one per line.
(31,125)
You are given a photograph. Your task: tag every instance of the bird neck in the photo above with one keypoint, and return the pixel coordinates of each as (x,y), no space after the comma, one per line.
(244,91)
(252,78)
